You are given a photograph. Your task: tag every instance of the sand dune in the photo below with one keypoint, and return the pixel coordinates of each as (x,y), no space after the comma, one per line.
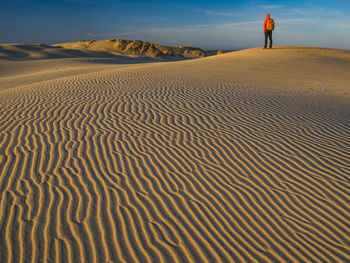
(26,64)
(209,160)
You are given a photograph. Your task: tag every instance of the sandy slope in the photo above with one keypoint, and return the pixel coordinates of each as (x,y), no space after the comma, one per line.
(208,160)
(26,64)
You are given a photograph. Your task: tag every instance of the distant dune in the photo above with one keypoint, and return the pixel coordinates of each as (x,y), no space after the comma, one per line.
(242,157)
(134,47)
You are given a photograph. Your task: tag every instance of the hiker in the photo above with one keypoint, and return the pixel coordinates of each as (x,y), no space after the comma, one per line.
(269,26)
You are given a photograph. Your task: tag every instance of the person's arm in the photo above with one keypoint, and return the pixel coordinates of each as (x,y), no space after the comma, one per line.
(265,25)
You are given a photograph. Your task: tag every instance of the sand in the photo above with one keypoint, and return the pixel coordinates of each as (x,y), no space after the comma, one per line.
(240,157)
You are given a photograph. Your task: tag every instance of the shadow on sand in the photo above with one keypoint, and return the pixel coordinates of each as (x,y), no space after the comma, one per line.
(21,52)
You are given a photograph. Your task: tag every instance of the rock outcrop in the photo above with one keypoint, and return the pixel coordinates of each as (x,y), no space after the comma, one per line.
(135,48)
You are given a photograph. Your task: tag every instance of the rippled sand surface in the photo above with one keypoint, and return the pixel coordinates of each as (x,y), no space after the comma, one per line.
(241,157)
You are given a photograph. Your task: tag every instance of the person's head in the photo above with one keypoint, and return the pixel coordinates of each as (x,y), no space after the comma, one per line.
(268,16)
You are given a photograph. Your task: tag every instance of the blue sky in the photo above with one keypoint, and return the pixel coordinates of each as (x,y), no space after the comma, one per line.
(207,24)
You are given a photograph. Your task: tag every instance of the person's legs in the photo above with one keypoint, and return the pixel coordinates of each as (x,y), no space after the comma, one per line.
(265,39)
(270,37)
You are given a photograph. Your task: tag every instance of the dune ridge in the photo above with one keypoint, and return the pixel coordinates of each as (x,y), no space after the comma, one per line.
(188,161)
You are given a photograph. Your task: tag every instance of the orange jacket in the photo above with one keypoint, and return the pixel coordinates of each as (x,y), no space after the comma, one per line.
(267,18)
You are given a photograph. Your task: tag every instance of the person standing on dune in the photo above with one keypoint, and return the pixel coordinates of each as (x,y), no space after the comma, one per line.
(269,26)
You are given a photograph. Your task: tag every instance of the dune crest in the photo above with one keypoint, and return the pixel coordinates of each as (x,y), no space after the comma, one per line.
(204,160)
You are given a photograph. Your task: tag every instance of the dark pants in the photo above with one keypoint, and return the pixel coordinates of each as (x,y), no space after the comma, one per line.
(268,34)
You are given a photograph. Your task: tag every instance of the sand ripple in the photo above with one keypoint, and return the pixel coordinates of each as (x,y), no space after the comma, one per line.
(144,165)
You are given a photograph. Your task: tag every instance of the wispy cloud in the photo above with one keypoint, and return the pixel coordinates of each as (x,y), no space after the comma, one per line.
(315,11)
(115,34)
(251,26)
(271,6)
(216,13)
(208,12)
(344,25)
